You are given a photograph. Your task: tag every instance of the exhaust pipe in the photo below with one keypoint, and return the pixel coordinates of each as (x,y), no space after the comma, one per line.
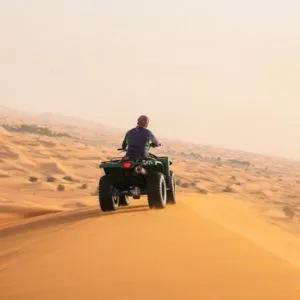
(140,170)
(136,192)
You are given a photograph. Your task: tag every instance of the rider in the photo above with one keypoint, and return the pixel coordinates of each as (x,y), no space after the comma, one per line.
(139,139)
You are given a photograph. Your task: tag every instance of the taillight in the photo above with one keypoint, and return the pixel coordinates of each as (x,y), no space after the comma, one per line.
(127,164)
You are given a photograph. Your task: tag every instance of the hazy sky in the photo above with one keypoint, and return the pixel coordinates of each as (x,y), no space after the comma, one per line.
(216,72)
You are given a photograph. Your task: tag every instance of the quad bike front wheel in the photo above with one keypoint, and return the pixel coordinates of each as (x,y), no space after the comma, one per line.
(171,192)
(108,197)
(157,190)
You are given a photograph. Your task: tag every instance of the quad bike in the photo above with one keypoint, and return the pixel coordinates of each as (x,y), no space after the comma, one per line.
(126,178)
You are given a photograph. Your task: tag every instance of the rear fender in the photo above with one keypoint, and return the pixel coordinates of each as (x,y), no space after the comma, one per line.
(111,167)
(166,162)
(153,165)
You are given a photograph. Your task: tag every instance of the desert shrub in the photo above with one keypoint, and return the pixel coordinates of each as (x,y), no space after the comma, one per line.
(51,179)
(202,191)
(61,187)
(228,189)
(239,162)
(33,179)
(238,183)
(298,181)
(95,193)
(184,185)
(68,178)
(178,182)
(83,186)
(289,211)
(233,177)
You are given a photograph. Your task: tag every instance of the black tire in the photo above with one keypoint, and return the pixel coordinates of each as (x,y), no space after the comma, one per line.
(108,198)
(157,190)
(123,200)
(171,192)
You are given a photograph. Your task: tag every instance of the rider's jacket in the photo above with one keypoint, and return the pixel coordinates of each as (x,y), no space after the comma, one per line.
(138,142)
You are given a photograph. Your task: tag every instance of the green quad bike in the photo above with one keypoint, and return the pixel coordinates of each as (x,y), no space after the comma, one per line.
(126,178)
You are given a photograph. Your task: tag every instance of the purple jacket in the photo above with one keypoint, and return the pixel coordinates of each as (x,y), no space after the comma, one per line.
(138,142)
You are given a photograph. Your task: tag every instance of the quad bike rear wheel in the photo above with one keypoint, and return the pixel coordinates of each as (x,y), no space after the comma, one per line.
(171,192)
(157,190)
(108,197)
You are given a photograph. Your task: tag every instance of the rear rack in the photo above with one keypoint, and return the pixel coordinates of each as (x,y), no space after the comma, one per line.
(114,159)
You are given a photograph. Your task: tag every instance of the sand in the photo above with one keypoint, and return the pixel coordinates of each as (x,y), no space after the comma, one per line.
(273,186)
(187,251)
(234,233)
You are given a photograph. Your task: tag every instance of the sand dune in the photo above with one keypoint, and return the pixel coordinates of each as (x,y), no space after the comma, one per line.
(232,235)
(194,250)
(275,183)
(269,182)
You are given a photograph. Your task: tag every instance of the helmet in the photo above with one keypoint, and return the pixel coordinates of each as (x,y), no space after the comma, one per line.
(143,121)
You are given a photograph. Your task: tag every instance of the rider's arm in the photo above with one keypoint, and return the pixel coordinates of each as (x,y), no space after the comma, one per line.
(154,140)
(124,143)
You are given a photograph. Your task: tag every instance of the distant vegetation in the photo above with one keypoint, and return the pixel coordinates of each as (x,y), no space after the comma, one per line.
(61,188)
(51,179)
(33,179)
(34,129)
(83,186)
(228,189)
(68,178)
(95,193)
(216,160)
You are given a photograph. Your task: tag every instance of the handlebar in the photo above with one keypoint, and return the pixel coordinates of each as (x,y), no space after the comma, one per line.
(151,146)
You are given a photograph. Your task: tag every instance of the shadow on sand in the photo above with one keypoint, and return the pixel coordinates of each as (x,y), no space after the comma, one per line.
(61,218)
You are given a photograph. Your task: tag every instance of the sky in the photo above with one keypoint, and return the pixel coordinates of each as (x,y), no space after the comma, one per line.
(222,73)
